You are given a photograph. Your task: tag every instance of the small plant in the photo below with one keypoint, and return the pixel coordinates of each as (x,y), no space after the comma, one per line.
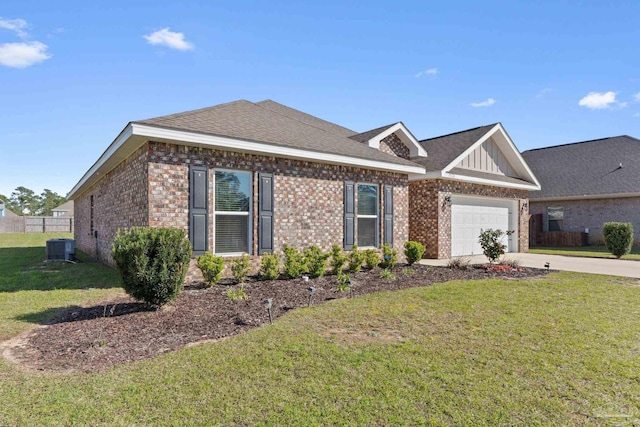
(211,267)
(293,262)
(389,256)
(338,258)
(387,274)
(491,243)
(371,258)
(407,272)
(152,262)
(343,282)
(511,263)
(315,260)
(240,268)
(270,266)
(459,263)
(413,251)
(237,294)
(356,259)
(618,236)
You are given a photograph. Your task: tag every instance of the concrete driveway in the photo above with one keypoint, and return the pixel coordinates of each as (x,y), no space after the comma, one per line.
(614,267)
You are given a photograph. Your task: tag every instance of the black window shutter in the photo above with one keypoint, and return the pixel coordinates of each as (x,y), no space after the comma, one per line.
(265,213)
(388,214)
(199,209)
(349,214)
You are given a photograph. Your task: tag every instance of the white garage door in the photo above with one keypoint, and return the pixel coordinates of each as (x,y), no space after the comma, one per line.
(468,220)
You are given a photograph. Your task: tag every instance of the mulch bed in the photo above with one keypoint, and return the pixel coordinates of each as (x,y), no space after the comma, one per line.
(122,330)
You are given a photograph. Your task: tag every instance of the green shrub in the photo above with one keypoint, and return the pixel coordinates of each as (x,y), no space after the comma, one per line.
(618,236)
(387,274)
(293,262)
(338,258)
(389,256)
(371,258)
(315,260)
(237,294)
(343,282)
(356,259)
(211,267)
(408,272)
(413,251)
(270,267)
(152,262)
(240,268)
(491,243)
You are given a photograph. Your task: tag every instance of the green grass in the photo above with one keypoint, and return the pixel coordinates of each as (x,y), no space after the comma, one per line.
(559,350)
(585,251)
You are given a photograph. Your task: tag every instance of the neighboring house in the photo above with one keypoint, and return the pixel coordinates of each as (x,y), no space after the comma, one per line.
(586,184)
(64,210)
(5,212)
(249,177)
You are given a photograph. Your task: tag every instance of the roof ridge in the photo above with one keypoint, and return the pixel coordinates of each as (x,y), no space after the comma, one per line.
(580,142)
(459,132)
(261,105)
(374,129)
(195,111)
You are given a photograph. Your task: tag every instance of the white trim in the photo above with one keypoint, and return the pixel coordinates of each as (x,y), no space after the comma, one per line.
(147,132)
(471,179)
(415,149)
(584,197)
(512,152)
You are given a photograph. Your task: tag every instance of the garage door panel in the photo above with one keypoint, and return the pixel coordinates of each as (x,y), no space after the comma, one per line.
(468,221)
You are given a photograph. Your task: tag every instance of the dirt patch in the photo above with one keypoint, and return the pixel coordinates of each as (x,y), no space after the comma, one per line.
(122,330)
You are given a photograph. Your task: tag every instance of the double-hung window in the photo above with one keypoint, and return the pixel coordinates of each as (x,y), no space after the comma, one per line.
(367,215)
(232,211)
(555,214)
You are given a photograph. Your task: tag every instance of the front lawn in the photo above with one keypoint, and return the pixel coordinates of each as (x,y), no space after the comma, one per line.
(585,251)
(562,349)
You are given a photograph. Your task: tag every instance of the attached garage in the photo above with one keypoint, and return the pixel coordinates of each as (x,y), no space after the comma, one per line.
(469,216)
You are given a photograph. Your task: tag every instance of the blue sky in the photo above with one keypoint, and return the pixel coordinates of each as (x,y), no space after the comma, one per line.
(73,74)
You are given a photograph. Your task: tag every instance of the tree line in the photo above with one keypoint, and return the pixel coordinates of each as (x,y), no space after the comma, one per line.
(24,201)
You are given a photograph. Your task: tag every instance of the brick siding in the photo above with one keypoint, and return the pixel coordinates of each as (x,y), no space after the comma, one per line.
(393,145)
(430,216)
(592,213)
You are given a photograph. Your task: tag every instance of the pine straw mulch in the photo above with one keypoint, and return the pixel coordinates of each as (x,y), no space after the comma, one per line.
(121,330)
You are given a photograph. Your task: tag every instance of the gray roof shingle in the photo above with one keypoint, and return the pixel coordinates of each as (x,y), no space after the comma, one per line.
(366,136)
(272,123)
(587,168)
(442,150)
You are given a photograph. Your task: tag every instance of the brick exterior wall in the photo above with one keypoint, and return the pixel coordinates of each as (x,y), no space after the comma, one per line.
(430,216)
(592,213)
(394,146)
(120,202)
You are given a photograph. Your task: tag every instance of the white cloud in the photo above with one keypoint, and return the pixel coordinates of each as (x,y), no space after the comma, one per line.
(544,92)
(18,26)
(637,96)
(488,103)
(598,100)
(636,115)
(22,55)
(168,38)
(428,72)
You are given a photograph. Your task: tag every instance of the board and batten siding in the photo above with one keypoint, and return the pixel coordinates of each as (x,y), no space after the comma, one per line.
(488,158)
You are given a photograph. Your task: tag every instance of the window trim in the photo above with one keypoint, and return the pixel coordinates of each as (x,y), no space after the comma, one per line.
(249,214)
(376,216)
(549,218)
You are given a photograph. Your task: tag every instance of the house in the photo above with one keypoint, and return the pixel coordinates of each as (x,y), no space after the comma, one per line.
(64,210)
(5,212)
(248,177)
(586,184)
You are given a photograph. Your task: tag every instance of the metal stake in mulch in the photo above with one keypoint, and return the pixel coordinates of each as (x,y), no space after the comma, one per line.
(351,285)
(547,265)
(267,304)
(311,290)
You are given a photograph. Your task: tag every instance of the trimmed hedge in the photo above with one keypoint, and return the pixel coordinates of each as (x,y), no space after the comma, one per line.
(152,262)
(618,236)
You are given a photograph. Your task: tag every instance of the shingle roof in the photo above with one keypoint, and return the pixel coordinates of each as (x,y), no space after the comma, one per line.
(442,150)
(272,123)
(366,136)
(587,168)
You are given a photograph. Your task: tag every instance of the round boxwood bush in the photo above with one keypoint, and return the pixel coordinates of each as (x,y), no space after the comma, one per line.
(152,262)
(413,251)
(618,236)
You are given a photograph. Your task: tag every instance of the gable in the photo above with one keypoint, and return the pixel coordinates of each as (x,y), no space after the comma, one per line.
(488,158)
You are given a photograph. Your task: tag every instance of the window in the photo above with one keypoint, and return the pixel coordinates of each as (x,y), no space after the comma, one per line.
(232,211)
(367,215)
(555,217)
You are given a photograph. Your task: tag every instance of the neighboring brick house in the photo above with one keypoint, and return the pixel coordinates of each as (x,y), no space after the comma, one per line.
(249,177)
(586,184)
(64,210)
